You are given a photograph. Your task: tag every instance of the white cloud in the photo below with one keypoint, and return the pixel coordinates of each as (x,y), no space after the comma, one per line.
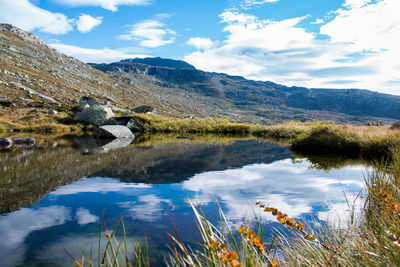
(25,15)
(250,3)
(147,207)
(318,21)
(106,4)
(373,27)
(16,226)
(362,51)
(200,43)
(104,55)
(83,216)
(103,185)
(86,23)
(150,33)
(356,3)
(298,191)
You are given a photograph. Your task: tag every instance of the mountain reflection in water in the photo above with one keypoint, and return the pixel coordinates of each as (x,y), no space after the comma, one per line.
(144,182)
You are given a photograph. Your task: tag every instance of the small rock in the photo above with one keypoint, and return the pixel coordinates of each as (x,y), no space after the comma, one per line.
(87,100)
(143,109)
(5,103)
(395,125)
(113,131)
(53,112)
(5,142)
(133,126)
(26,141)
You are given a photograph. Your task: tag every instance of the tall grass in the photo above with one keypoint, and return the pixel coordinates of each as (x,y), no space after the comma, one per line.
(373,241)
(113,251)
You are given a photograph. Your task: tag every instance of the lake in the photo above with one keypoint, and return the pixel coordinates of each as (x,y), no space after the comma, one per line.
(53,195)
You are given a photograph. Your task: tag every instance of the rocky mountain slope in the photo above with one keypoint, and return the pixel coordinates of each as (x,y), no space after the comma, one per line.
(34,75)
(266,100)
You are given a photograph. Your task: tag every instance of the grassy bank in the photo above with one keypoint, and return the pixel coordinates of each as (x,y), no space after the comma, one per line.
(311,137)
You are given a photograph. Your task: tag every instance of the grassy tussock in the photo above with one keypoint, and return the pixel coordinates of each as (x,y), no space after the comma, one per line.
(161,124)
(311,137)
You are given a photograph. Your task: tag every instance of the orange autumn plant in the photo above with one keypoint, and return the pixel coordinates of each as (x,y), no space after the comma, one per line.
(221,248)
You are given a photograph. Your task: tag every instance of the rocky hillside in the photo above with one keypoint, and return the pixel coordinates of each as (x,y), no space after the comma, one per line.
(35,76)
(265,101)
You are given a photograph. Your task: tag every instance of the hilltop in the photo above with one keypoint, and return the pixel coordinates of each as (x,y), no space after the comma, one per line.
(34,77)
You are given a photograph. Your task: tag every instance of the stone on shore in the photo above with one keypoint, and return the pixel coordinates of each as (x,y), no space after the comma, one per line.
(96,114)
(25,141)
(113,131)
(395,125)
(5,142)
(143,109)
(87,100)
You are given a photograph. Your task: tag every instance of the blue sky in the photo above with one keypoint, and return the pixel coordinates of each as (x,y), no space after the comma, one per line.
(318,43)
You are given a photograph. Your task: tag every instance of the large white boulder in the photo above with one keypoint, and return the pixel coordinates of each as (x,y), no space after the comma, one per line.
(95,114)
(113,131)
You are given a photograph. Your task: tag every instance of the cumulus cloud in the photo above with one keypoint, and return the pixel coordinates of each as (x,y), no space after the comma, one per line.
(236,187)
(83,216)
(249,3)
(318,21)
(104,185)
(147,207)
(150,33)
(362,49)
(356,3)
(200,43)
(106,4)
(25,15)
(16,226)
(104,55)
(86,23)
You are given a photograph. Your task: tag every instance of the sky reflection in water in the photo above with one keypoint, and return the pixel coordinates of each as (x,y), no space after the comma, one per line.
(69,216)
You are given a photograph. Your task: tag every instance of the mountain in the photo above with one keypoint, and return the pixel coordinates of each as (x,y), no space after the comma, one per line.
(161,62)
(263,100)
(32,73)
(35,76)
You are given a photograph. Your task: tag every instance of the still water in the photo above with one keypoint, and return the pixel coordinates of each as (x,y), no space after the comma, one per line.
(53,195)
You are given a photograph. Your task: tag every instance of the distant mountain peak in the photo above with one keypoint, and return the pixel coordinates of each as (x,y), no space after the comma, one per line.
(161,62)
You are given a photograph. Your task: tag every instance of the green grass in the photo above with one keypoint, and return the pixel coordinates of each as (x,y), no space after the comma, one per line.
(310,137)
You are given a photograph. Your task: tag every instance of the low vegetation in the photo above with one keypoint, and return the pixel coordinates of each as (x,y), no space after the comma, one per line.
(313,137)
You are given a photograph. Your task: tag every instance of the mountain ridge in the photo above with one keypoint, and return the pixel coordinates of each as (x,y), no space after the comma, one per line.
(31,69)
(243,92)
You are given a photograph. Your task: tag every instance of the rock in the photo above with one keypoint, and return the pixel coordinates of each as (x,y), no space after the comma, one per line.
(96,114)
(133,126)
(121,110)
(113,131)
(53,112)
(87,100)
(143,109)
(5,142)
(93,146)
(25,141)
(395,125)
(5,103)
(128,121)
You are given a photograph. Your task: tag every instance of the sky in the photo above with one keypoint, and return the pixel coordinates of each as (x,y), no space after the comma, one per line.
(311,43)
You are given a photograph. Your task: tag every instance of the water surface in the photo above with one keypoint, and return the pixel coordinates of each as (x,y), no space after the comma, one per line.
(53,195)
